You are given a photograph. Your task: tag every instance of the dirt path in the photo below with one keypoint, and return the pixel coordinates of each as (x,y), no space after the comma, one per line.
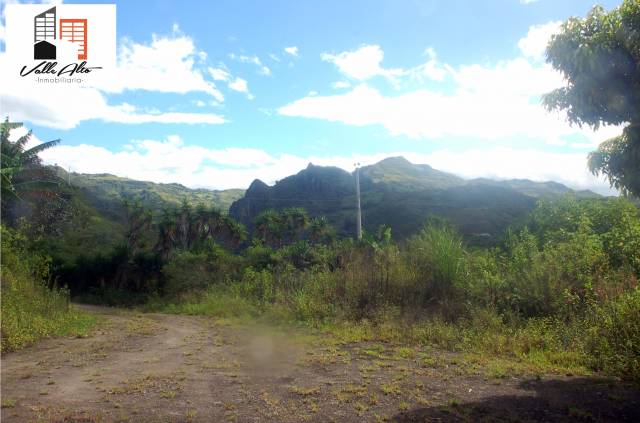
(166,368)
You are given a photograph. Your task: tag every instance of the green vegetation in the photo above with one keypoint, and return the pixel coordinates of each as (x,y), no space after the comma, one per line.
(560,294)
(30,309)
(599,57)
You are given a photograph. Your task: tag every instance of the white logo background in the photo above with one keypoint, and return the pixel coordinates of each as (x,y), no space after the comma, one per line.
(101,36)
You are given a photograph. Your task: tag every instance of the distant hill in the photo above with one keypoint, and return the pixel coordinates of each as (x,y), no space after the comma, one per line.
(106,192)
(537,189)
(402,195)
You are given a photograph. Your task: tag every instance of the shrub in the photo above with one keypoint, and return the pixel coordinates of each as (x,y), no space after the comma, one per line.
(30,309)
(614,337)
(439,258)
(188,271)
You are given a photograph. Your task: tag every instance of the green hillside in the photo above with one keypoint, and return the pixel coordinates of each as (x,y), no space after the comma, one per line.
(538,189)
(106,191)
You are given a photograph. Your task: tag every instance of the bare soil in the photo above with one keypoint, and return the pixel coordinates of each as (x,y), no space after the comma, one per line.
(168,368)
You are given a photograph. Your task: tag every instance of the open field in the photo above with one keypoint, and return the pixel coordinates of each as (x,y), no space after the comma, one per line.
(167,368)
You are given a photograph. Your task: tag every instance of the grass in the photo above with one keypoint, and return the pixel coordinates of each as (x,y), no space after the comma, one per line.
(8,403)
(30,309)
(529,346)
(391,388)
(304,392)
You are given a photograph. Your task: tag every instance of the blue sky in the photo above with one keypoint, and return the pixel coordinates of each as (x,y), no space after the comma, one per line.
(217,93)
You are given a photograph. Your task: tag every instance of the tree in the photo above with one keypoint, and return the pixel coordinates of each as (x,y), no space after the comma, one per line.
(270,227)
(295,221)
(276,229)
(21,169)
(599,57)
(188,229)
(320,230)
(28,188)
(138,222)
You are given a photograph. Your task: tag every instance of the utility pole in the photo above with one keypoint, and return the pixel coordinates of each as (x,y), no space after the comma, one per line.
(359,215)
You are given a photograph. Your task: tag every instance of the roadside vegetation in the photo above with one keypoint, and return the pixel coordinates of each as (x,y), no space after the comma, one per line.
(559,294)
(33,307)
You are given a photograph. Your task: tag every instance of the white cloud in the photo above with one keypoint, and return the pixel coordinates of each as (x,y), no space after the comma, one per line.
(528,1)
(171,160)
(3,32)
(254,60)
(365,63)
(488,102)
(341,84)
(234,83)
(264,70)
(432,69)
(362,64)
(219,74)
(166,65)
(293,51)
(534,44)
(241,85)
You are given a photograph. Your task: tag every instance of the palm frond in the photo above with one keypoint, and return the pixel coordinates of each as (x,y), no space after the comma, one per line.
(22,141)
(41,147)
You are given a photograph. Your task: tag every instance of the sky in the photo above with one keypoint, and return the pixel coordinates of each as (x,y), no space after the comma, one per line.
(215,94)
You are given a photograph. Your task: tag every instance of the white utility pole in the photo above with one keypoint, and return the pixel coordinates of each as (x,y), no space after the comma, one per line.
(359,219)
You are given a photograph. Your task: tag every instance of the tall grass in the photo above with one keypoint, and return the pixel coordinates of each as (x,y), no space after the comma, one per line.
(30,309)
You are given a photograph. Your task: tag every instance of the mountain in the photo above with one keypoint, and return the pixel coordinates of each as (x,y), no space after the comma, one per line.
(402,195)
(538,189)
(106,192)
(399,174)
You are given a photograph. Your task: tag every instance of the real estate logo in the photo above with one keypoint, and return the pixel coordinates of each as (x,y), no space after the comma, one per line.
(53,44)
(44,33)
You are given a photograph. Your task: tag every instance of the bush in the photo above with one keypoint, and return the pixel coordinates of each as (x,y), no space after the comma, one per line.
(30,309)
(439,258)
(188,271)
(614,337)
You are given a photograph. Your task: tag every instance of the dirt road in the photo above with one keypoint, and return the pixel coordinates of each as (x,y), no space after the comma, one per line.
(167,368)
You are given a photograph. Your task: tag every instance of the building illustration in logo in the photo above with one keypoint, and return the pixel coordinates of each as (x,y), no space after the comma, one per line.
(44,30)
(75,31)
